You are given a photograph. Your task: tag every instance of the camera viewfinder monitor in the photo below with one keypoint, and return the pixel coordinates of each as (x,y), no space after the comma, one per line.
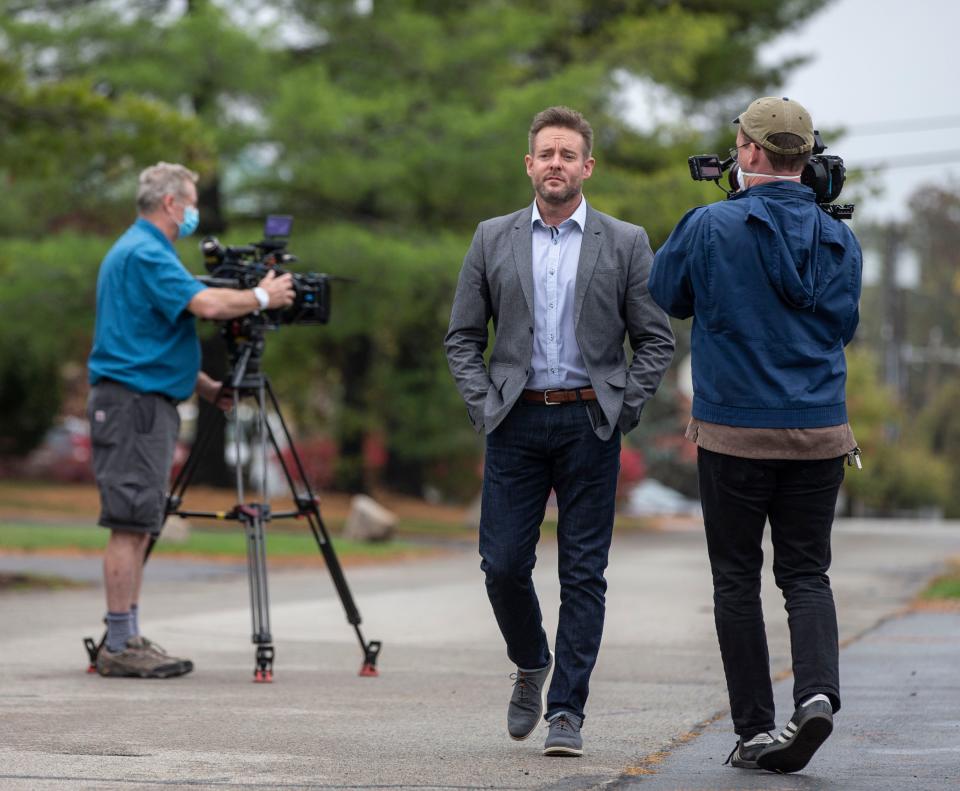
(705,167)
(277,225)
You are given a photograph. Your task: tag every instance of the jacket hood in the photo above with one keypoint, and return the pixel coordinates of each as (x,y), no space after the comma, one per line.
(801,251)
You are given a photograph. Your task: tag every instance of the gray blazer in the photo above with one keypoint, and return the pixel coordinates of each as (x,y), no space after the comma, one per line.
(611,302)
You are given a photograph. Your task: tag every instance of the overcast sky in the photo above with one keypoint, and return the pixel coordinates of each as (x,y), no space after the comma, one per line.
(888,72)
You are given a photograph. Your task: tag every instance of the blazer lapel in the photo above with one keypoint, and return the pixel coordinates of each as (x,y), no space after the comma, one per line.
(523,256)
(589,253)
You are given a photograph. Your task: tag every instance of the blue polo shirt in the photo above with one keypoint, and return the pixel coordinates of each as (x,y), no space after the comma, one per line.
(144,336)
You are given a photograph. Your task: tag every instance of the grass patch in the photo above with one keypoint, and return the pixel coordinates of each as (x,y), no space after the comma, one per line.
(946,586)
(203,543)
(19,581)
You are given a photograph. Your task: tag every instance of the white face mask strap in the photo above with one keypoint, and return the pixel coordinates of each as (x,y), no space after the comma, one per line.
(771,176)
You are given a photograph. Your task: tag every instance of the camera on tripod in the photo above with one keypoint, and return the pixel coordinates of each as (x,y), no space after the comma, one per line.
(824,174)
(244,266)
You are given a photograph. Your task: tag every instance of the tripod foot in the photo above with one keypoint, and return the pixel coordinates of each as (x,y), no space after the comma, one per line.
(92,651)
(263,673)
(371,651)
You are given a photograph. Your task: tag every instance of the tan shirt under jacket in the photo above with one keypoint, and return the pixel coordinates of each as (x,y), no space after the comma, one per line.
(801,444)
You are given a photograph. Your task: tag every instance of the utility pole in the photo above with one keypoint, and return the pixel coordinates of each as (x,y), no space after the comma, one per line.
(893,328)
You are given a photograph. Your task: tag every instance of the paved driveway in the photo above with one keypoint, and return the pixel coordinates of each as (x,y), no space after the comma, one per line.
(435,718)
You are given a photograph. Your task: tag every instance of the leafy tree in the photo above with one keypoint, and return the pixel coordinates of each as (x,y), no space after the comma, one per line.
(204,71)
(411,116)
(391,129)
(66,149)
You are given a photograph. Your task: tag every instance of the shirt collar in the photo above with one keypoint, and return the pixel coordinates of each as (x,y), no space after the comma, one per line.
(145,225)
(579,216)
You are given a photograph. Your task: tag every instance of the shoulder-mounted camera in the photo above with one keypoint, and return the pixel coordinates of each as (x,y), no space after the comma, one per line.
(823,173)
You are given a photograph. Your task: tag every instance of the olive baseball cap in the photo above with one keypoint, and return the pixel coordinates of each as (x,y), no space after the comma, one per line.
(770,115)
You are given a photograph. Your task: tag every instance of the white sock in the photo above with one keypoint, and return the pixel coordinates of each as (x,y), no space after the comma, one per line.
(815,698)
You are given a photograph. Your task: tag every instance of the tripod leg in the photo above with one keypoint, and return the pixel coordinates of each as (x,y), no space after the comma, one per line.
(309,507)
(257,557)
(253,519)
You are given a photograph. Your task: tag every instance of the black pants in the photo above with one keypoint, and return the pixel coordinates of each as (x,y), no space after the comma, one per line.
(799,497)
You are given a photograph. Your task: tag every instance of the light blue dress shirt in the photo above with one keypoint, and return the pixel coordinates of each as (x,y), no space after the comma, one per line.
(557,362)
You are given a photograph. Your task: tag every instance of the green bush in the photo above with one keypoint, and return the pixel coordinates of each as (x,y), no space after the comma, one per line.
(939,428)
(29,392)
(47,305)
(900,472)
(894,479)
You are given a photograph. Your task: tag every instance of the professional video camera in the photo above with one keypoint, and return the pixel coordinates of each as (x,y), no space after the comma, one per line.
(824,174)
(245,266)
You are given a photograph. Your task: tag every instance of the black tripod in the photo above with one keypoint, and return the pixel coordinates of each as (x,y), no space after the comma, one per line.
(245,379)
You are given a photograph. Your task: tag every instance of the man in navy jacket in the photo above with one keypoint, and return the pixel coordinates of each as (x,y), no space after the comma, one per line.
(773,284)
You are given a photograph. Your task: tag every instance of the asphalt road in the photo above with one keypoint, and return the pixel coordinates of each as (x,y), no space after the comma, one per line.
(435,718)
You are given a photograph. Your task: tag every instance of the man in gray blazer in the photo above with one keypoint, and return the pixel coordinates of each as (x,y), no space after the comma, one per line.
(564,285)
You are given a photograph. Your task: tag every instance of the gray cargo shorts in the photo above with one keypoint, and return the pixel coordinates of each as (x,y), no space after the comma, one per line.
(133,436)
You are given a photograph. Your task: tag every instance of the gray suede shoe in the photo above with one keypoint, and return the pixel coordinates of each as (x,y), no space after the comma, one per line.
(564,736)
(526,702)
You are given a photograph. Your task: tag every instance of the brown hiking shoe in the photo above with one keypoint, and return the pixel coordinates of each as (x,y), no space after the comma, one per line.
(138,660)
(142,642)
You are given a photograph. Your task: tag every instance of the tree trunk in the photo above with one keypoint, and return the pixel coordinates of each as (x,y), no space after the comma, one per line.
(212,468)
(355,368)
(210,204)
(405,476)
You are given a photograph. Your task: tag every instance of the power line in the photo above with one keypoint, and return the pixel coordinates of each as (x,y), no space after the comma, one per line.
(899,125)
(907,161)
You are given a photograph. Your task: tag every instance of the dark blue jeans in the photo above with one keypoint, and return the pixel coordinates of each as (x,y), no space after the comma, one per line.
(799,498)
(538,448)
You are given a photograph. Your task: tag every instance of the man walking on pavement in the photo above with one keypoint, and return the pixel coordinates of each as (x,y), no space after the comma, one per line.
(564,285)
(773,283)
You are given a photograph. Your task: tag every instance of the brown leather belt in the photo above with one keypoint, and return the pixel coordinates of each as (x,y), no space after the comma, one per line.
(554,397)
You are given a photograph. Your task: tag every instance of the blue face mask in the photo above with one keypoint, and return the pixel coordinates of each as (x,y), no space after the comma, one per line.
(191,219)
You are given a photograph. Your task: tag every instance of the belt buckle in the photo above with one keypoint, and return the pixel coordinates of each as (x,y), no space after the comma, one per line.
(546,397)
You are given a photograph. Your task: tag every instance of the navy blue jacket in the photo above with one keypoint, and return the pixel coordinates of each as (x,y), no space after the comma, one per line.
(773,284)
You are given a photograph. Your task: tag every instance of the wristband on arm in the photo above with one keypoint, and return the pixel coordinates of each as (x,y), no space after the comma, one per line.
(263,298)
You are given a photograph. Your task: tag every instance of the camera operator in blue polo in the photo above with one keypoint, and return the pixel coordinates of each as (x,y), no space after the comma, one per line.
(772,278)
(146,359)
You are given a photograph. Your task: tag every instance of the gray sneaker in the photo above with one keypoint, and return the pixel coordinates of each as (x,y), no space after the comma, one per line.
(138,661)
(564,736)
(526,702)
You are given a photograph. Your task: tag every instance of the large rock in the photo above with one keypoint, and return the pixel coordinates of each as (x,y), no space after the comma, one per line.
(369,521)
(471,517)
(176,530)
